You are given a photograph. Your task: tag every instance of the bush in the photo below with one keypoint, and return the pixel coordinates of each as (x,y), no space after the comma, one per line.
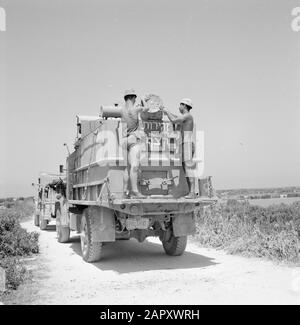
(241,228)
(15,242)
(14,270)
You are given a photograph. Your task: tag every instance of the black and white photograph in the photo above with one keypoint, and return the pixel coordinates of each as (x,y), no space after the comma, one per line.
(149,155)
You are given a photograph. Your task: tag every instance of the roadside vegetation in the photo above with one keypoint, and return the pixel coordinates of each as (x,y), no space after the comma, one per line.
(241,228)
(15,242)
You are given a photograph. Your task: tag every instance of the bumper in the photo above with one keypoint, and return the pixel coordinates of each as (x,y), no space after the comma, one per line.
(160,206)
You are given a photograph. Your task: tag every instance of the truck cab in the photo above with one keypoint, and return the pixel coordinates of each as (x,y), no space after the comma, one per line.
(47,200)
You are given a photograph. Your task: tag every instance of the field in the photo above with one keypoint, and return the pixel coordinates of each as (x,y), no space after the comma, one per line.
(241,228)
(258,191)
(268,202)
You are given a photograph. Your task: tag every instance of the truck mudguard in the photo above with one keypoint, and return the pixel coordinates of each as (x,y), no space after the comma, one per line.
(184,225)
(102,224)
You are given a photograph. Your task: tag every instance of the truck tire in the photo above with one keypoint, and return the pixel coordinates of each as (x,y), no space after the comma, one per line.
(175,246)
(63,232)
(36,220)
(91,251)
(43,224)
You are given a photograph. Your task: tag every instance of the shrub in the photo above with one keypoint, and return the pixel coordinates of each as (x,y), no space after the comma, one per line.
(15,242)
(14,270)
(241,228)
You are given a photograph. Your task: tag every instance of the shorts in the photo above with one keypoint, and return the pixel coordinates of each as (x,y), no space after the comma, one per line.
(134,138)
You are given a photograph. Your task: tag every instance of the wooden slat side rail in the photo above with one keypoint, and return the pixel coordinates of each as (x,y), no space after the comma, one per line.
(90,183)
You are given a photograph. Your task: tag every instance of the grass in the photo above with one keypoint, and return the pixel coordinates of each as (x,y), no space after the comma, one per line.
(240,228)
(16,242)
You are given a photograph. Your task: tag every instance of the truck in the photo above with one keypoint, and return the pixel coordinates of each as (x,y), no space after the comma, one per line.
(50,190)
(94,205)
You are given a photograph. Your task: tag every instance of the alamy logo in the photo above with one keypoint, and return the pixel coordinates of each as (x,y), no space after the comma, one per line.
(295,25)
(2,20)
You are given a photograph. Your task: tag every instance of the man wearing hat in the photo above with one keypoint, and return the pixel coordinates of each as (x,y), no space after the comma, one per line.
(130,119)
(188,147)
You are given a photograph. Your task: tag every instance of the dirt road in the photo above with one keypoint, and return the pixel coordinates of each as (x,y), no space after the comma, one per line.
(134,273)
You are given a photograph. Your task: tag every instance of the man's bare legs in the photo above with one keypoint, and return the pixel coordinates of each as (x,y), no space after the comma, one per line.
(192,188)
(134,162)
(188,166)
(125,182)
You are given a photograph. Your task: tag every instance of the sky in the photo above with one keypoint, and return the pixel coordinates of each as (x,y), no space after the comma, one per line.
(237,60)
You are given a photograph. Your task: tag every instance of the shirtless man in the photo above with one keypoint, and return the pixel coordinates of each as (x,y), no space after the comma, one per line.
(187,122)
(130,117)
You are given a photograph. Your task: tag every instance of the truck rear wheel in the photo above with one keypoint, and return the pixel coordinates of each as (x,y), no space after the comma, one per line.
(43,224)
(36,220)
(91,251)
(63,232)
(175,246)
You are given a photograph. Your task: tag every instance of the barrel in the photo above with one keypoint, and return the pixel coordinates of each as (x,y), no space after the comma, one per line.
(110,111)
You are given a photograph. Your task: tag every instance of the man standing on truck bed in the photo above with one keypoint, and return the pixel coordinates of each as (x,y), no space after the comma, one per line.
(130,117)
(188,147)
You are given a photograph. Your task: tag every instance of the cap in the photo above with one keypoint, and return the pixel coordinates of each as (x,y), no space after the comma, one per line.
(129,92)
(187,102)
